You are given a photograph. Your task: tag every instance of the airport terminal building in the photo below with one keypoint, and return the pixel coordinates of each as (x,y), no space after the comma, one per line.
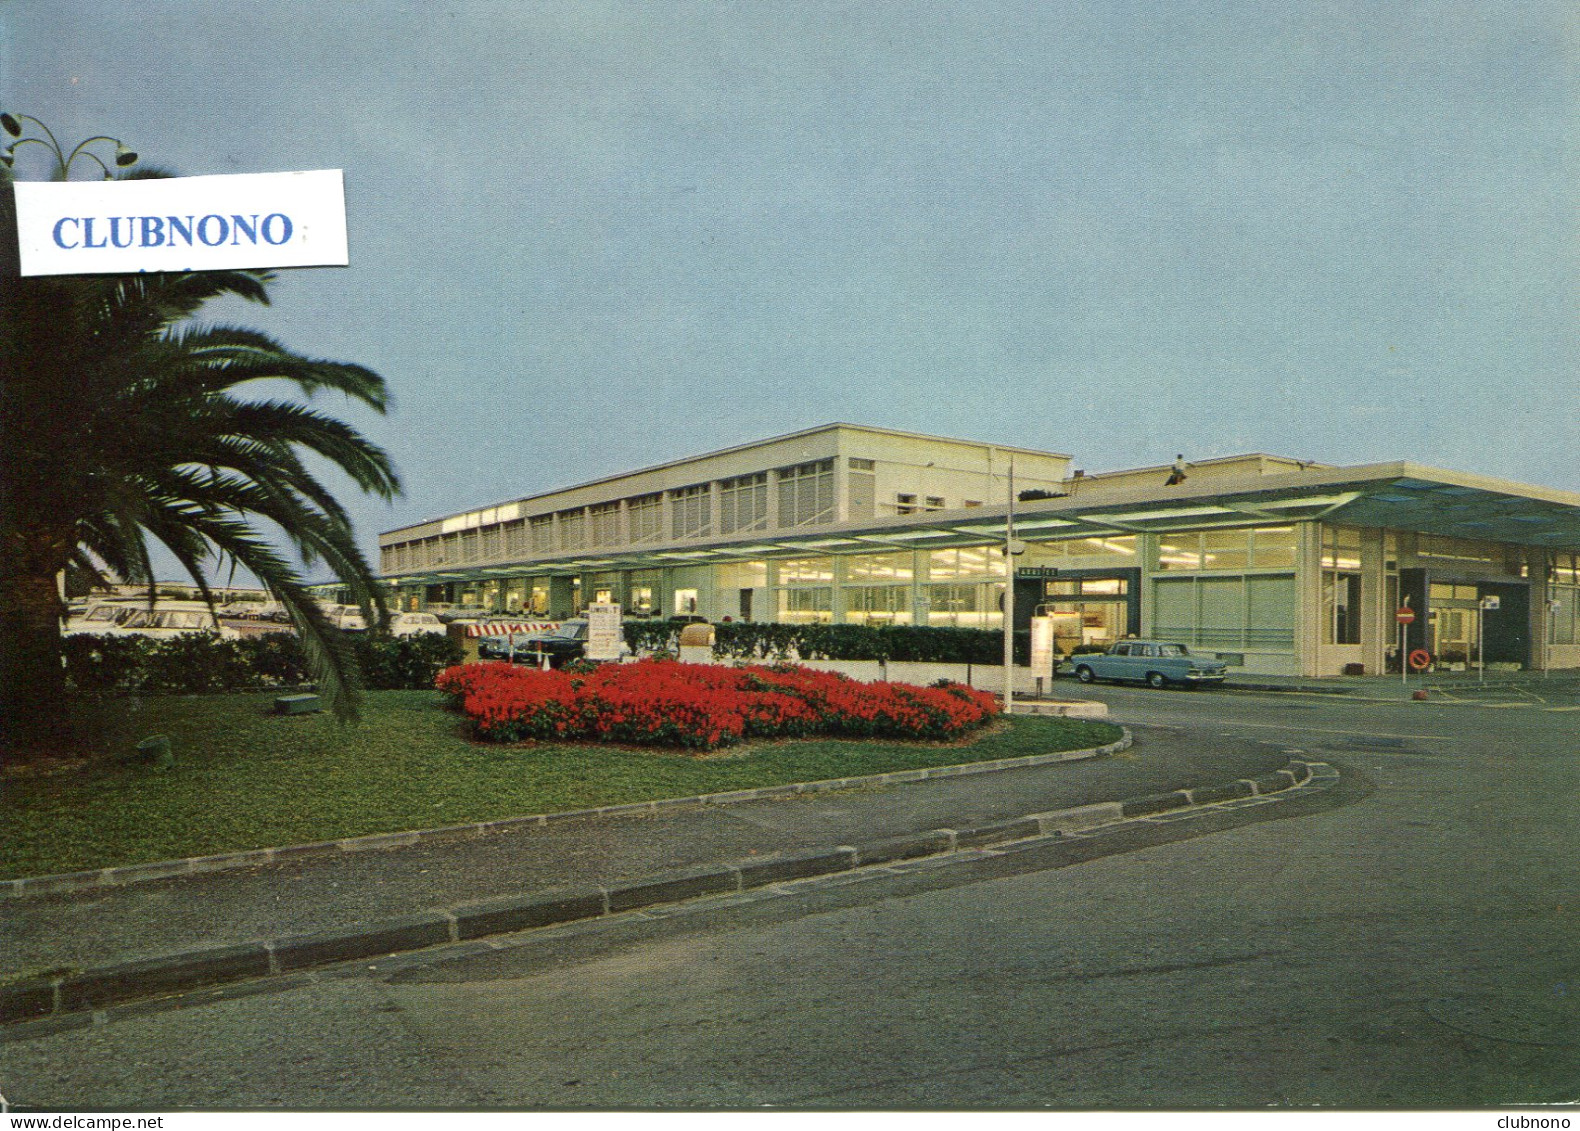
(1280,566)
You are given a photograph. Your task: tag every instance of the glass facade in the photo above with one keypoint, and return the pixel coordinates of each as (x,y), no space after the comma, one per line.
(1341,585)
(1563,586)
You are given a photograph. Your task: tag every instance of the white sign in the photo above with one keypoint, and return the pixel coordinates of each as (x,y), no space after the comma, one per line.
(605,640)
(182,223)
(1042,644)
(1489,602)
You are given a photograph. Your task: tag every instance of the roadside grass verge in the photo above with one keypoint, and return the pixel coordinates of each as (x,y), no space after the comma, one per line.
(245,778)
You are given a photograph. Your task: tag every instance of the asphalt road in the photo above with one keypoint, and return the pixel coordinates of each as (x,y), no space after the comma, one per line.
(1412,948)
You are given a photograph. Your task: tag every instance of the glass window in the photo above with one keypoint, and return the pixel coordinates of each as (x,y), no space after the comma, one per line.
(1104,586)
(973,561)
(1341,547)
(874,567)
(878,604)
(806,494)
(1458,550)
(645,513)
(1226,549)
(804,571)
(1179,551)
(1564,617)
(605,524)
(573,530)
(806,606)
(743,575)
(743,503)
(692,511)
(543,534)
(1273,547)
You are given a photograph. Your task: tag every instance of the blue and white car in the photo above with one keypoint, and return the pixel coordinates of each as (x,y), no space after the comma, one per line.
(1157,663)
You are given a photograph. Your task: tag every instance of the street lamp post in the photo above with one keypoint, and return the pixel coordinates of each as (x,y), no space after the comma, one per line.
(1012,549)
(124,157)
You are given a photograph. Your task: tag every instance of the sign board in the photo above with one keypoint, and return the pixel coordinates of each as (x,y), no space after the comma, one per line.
(1030,573)
(1041,644)
(1489,602)
(182,223)
(1405,615)
(605,641)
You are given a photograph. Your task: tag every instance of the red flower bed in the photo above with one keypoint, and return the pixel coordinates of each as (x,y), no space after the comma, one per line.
(662,703)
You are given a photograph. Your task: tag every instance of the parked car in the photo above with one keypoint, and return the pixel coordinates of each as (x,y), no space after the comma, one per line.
(561,645)
(347,618)
(415,624)
(463,612)
(1157,663)
(241,610)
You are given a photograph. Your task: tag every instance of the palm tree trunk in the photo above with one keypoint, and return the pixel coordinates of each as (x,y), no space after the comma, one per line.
(35,716)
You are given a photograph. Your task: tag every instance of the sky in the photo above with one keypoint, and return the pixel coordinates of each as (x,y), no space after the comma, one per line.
(588,237)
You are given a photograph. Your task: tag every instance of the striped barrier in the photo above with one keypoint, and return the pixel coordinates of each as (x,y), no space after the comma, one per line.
(513,628)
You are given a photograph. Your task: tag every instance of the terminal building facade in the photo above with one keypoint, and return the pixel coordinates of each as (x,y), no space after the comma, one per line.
(1280,566)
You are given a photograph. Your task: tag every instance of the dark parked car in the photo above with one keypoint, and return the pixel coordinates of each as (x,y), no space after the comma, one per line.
(566,643)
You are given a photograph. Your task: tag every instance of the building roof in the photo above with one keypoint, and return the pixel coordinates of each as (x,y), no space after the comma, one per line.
(684,460)
(1402,496)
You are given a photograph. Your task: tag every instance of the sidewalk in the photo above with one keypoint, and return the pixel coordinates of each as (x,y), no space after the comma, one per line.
(1564,684)
(308,894)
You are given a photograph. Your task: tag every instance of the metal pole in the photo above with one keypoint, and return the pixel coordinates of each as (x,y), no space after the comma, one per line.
(1009,595)
(1552,630)
(1481,642)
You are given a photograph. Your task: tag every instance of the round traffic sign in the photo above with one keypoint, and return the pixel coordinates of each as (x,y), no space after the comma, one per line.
(1405,615)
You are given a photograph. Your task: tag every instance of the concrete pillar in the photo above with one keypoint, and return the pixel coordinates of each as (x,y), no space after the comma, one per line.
(1378,627)
(1308,605)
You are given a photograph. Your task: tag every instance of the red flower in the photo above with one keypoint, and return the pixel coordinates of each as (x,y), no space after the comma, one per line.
(702,706)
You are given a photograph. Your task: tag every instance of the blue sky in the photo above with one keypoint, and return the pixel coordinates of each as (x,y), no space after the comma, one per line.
(587,237)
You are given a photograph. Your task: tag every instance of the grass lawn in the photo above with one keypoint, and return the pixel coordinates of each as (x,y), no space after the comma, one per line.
(246,778)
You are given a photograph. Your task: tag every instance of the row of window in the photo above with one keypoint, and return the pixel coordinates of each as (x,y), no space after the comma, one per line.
(806,498)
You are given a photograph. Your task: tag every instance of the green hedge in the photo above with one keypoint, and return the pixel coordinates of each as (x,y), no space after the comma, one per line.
(900,643)
(200,662)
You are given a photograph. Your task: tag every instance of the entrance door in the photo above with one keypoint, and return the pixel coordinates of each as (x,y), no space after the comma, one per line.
(1506,630)
(746,604)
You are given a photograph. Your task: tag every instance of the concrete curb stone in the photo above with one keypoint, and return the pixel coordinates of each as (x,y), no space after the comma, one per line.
(508,913)
(54,1000)
(407,932)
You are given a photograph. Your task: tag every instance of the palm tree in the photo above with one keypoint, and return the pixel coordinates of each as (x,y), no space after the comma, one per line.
(123,422)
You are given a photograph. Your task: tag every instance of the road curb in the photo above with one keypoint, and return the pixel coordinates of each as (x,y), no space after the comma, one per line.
(66,882)
(62,1000)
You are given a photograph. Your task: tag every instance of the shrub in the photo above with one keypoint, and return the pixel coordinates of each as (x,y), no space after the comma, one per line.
(201,662)
(699,706)
(919,643)
(403,663)
(105,663)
